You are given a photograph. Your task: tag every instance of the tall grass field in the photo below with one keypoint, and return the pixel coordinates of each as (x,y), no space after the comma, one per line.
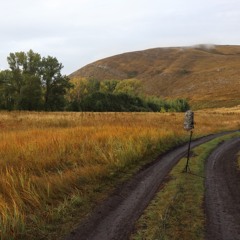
(55,167)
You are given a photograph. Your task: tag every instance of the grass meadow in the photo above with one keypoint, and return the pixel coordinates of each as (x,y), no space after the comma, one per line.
(55,167)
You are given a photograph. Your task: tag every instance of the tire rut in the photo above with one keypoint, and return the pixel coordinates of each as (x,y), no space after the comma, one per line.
(222,195)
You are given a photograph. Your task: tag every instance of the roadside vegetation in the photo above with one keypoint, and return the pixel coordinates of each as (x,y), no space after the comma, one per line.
(56,166)
(177,210)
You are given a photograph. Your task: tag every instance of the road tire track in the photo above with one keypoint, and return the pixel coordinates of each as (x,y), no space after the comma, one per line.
(222,192)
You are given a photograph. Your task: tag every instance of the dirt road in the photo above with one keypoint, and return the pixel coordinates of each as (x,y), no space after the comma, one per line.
(115,218)
(222,196)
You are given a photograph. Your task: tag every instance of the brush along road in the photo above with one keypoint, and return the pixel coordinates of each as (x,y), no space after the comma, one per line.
(115,218)
(222,196)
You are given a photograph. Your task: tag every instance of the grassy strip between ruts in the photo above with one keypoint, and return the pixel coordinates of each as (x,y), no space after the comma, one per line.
(177,210)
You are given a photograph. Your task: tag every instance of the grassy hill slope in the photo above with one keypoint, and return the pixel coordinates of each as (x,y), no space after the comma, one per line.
(209,76)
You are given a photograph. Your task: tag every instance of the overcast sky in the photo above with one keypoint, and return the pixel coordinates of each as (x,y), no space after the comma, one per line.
(79,32)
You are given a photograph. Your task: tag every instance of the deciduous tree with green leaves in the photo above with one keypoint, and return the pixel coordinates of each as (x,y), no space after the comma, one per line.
(55,84)
(33,83)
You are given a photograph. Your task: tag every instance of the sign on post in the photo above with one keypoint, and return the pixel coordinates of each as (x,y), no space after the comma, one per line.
(189,120)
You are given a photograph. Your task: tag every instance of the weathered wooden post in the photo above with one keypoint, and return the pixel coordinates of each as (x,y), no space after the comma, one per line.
(189,126)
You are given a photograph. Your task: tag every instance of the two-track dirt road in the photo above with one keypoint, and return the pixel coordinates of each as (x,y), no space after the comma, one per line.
(115,218)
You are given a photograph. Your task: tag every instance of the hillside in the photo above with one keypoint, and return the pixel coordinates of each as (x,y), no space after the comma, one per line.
(209,76)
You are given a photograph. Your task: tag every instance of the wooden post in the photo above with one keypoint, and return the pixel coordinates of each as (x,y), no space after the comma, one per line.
(188,155)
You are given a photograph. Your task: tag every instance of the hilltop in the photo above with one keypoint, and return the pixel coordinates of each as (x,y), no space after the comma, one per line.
(207,75)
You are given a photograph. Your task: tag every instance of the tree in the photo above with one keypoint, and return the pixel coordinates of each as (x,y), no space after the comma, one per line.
(25,82)
(55,84)
(76,94)
(108,86)
(31,94)
(93,85)
(33,83)
(16,63)
(129,86)
(7,90)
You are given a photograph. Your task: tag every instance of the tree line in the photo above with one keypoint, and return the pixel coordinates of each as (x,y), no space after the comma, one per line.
(117,96)
(33,83)
(36,83)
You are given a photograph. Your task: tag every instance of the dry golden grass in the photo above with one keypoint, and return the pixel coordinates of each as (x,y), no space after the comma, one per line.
(54,163)
(223,110)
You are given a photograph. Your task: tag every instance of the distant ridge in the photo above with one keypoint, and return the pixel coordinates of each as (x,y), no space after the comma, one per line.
(208,75)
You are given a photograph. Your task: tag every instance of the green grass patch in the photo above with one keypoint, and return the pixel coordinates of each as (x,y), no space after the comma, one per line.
(177,210)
